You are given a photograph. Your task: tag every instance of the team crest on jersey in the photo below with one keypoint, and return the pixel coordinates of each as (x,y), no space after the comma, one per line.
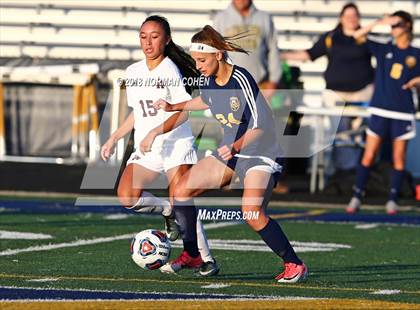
(396,71)
(410,61)
(234,104)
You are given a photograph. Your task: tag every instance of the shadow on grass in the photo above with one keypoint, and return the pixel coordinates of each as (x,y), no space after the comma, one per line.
(368,274)
(245,276)
(359,270)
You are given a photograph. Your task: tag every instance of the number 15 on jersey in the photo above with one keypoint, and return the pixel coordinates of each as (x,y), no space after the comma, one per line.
(147,108)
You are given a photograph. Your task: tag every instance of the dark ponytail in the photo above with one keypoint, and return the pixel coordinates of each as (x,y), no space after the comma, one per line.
(182,60)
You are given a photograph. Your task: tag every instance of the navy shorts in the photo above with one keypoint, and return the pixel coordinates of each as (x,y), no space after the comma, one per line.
(391,128)
(241,165)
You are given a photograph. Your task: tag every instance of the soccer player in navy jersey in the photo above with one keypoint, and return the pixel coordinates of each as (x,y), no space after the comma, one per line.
(249,148)
(392,108)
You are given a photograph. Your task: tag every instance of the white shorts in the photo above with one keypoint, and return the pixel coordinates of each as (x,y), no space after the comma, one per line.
(171,155)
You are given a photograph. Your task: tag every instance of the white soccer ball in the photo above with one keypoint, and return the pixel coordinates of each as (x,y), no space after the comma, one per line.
(150,249)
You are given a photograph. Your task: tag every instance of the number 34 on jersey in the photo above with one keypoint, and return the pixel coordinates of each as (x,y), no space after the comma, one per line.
(229,121)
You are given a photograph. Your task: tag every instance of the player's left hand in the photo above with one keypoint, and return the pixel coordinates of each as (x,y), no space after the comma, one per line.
(162,104)
(226,152)
(147,142)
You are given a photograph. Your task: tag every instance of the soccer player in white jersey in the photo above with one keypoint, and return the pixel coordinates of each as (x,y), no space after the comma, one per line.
(172,152)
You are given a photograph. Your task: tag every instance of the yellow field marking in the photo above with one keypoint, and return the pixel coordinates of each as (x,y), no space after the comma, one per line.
(292,215)
(324,304)
(198,282)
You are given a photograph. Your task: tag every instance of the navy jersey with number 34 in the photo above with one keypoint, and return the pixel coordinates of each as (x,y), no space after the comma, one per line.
(238,106)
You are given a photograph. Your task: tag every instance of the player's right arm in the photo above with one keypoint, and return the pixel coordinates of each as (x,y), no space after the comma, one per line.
(108,148)
(194,104)
(364,31)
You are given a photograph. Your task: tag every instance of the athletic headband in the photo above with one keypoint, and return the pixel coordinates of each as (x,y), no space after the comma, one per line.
(203,48)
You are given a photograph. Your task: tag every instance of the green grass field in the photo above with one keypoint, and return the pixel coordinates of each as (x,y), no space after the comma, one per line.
(384,257)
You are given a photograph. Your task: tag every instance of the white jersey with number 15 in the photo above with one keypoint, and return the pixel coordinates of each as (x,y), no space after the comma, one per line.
(144,87)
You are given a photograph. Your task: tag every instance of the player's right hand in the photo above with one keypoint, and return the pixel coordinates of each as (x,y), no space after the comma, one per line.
(108,149)
(162,104)
(226,152)
(389,20)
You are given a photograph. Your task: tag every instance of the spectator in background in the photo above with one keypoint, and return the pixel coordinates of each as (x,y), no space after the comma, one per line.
(241,17)
(349,72)
(260,40)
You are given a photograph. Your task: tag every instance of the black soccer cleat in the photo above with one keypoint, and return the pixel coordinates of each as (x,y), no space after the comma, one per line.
(171,227)
(209,268)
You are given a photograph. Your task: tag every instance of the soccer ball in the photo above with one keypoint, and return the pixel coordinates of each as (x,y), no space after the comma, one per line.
(150,249)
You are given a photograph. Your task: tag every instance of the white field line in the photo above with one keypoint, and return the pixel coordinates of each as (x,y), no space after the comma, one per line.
(216,285)
(366,226)
(386,292)
(94,200)
(117,216)
(234,296)
(220,225)
(260,246)
(89,200)
(292,220)
(43,280)
(76,243)
(5,234)
(80,242)
(215,244)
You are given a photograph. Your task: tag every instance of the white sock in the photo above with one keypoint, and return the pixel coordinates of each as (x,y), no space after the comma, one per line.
(203,246)
(148,203)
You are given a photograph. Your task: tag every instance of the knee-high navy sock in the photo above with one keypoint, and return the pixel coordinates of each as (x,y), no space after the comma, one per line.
(396,180)
(274,237)
(186,216)
(362,176)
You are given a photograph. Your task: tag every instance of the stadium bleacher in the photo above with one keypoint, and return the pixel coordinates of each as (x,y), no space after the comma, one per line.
(87,30)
